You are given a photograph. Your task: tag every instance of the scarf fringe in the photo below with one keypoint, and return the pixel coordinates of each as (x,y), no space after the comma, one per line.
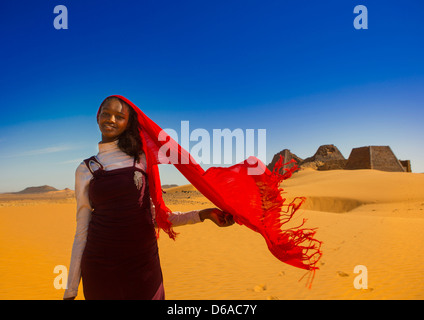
(164,224)
(296,245)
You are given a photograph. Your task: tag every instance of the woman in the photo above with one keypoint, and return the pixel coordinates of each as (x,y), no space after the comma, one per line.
(115,247)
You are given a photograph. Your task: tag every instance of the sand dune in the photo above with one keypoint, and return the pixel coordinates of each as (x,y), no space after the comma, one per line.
(365,217)
(366,186)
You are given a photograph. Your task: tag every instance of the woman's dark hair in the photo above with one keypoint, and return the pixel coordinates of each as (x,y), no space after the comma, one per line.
(129,141)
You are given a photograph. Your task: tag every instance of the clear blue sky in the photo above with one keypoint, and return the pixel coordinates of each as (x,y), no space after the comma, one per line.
(298,69)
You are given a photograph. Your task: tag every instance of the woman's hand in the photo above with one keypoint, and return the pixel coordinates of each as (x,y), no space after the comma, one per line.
(220,218)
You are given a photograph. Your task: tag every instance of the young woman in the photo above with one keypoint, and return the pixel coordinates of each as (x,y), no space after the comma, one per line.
(115,248)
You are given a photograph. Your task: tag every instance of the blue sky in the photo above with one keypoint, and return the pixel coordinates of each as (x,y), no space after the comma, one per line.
(300,70)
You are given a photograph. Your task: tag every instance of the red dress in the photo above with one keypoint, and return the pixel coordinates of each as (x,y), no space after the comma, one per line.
(120,259)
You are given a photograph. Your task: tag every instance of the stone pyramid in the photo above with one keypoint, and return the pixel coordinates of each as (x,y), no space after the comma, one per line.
(287,157)
(327,157)
(374,157)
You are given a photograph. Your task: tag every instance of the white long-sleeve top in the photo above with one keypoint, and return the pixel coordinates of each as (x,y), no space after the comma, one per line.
(111,157)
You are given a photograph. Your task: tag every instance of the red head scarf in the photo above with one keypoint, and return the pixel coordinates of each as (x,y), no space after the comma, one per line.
(248,191)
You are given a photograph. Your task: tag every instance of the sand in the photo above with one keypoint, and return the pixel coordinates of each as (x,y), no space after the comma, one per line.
(364,217)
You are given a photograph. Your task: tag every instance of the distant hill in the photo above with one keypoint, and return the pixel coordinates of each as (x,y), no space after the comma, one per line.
(167,186)
(40,189)
(46,188)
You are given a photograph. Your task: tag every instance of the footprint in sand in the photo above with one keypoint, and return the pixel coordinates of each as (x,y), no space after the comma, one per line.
(260,288)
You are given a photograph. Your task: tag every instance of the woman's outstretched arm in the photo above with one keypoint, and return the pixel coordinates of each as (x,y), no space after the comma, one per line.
(177,218)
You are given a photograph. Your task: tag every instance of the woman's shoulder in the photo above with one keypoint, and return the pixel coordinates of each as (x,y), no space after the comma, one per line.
(82,169)
(142,156)
(141,163)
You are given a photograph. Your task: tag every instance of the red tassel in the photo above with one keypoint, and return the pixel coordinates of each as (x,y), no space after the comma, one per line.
(296,245)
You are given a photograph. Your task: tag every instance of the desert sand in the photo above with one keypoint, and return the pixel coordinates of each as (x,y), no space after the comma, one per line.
(364,217)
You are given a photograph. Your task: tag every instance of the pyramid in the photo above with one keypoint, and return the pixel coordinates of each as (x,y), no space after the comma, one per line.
(406,165)
(374,157)
(287,157)
(327,157)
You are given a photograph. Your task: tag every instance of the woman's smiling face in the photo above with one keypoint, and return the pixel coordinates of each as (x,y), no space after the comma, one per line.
(113,119)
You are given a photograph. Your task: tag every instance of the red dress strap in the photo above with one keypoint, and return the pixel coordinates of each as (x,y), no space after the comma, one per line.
(90,160)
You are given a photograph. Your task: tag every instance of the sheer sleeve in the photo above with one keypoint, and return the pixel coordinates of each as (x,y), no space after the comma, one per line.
(179,218)
(83,216)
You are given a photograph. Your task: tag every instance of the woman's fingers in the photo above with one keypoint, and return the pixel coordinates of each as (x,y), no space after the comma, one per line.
(219,217)
(229,218)
(226,219)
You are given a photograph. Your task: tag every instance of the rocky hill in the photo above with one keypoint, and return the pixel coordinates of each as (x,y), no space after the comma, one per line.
(40,189)
(167,186)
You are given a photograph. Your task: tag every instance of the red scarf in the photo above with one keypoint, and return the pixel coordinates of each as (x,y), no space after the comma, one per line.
(253,200)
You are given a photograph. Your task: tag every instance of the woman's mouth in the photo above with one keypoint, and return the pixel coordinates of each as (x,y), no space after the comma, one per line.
(109,127)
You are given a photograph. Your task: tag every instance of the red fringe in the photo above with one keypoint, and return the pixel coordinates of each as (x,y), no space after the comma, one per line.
(296,245)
